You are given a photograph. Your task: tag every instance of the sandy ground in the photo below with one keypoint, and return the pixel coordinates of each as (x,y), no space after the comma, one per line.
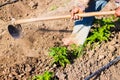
(27,56)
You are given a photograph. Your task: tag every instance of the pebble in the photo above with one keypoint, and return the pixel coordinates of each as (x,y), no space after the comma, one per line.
(28,68)
(111,48)
(109,55)
(61,75)
(10,75)
(33,5)
(91,53)
(113,58)
(112,42)
(101,57)
(117,45)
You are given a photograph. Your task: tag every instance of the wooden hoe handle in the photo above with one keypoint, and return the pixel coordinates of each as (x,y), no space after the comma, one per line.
(88,14)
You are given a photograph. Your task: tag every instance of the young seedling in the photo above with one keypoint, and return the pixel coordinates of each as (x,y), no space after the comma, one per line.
(59,55)
(102,32)
(77,51)
(53,7)
(45,76)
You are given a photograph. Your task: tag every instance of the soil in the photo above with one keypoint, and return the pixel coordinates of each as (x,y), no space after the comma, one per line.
(27,56)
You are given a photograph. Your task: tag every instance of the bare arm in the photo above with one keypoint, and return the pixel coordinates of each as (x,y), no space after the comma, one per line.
(78,7)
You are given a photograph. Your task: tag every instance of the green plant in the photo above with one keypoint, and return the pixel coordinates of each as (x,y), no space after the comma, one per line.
(60,55)
(77,51)
(102,32)
(53,7)
(45,76)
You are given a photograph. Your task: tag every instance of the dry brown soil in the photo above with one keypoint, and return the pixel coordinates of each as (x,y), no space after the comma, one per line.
(27,56)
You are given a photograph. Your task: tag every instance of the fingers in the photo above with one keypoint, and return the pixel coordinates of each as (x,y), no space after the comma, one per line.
(75,11)
(76,17)
(117,12)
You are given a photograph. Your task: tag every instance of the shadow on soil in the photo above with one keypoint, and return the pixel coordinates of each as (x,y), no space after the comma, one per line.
(117,26)
(50,30)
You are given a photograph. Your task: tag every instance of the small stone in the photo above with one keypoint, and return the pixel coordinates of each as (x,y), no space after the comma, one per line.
(101,57)
(46,68)
(112,42)
(10,75)
(61,75)
(113,58)
(109,55)
(111,48)
(54,65)
(33,5)
(91,53)
(117,45)
(28,68)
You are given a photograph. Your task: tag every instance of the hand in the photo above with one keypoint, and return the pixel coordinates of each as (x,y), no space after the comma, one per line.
(117,12)
(74,11)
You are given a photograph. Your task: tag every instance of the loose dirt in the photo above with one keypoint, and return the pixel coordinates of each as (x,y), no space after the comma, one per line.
(22,58)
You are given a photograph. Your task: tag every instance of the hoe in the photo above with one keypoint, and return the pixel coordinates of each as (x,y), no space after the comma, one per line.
(14,28)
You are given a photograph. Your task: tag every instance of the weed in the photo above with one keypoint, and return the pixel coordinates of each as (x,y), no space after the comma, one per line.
(60,55)
(46,76)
